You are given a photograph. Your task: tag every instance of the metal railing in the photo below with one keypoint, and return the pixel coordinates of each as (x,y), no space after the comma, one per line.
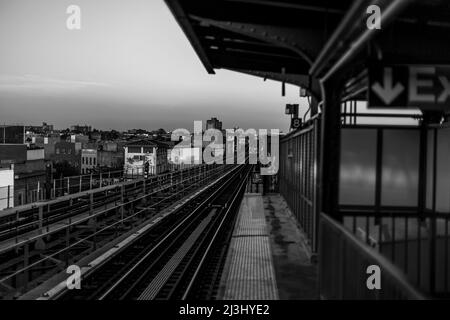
(73,184)
(416,243)
(343,263)
(299,156)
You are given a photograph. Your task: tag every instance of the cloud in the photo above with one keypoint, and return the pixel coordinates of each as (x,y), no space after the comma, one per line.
(38,84)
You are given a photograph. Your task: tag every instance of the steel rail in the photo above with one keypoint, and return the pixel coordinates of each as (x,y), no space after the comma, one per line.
(174,285)
(200,207)
(148,231)
(210,246)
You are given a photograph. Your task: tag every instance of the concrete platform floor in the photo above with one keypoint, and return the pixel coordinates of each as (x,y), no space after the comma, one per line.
(250,273)
(296,276)
(268,258)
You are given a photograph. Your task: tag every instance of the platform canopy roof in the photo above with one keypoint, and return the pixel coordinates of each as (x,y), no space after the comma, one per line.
(305,41)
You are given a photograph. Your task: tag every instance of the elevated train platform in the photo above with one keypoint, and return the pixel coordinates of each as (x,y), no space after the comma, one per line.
(368,183)
(251,274)
(268,258)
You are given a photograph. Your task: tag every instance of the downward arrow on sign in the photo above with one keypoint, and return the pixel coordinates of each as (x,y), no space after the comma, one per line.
(388,93)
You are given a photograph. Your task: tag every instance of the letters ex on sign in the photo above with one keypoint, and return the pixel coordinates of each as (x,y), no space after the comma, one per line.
(409,86)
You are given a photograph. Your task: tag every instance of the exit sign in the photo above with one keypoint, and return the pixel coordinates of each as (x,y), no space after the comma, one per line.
(409,86)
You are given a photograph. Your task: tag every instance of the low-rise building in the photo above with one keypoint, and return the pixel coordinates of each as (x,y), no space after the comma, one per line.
(84,129)
(29,171)
(142,154)
(214,123)
(45,128)
(47,142)
(67,154)
(182,155)
(88,160)
(30,177)
(110,146)
(12,134)
(95,136)
(49,145)
(110,159)
(79,138)
(6,186)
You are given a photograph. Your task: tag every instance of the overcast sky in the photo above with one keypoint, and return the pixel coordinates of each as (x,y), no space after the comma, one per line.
(130,66)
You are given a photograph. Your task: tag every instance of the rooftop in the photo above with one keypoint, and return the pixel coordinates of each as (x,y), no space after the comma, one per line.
(148,142)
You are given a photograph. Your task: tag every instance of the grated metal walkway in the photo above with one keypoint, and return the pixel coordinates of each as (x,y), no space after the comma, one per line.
(161,278)
(251,274)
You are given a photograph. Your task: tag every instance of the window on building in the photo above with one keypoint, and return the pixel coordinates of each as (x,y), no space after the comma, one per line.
(90,161)
(94,161)
(134,149)
(57,150)
(148,149)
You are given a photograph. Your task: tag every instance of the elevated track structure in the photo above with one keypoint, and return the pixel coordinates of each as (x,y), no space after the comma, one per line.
(181,257)
(49,237)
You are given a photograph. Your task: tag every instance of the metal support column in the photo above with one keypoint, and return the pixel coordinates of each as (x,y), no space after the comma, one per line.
(330,152)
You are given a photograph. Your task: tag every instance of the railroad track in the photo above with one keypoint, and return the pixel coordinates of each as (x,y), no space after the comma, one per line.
(26,220)
(68,240)
(174,258)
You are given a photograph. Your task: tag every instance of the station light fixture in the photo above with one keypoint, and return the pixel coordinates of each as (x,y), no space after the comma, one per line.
(303,92)
(291,109)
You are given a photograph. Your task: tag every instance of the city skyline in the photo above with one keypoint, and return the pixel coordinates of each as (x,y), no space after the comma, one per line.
(69,127)
(120,71)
